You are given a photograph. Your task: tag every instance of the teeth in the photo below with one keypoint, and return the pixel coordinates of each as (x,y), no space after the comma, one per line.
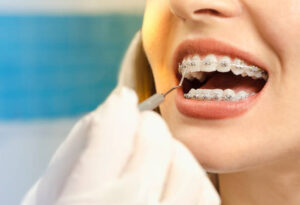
(183,66)
(196,61)
(238,66)
(217,95)
(189,62)
(252,71)
(258,75)
(228,95)
(241,95)
(224,64)
(189,76)
(209,63)
(199,76)
(196,75)
(197,68)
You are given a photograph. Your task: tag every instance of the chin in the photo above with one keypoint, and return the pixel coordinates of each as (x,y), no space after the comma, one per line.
(217,158)
(218,148)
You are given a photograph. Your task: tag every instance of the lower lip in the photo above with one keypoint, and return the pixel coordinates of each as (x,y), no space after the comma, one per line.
(213,109)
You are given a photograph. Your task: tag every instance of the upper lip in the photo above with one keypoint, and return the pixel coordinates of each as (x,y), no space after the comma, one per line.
(212,46)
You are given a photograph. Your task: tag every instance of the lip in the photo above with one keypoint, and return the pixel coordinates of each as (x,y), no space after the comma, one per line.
(213,109)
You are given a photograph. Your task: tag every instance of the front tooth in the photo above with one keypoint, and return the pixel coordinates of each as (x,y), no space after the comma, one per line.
(205,94)
(192,93)
(189,61)
(185,65)
(182,68)
(196,61)
(238,67)
(217,94)
(209,63)
(228,95)
(224,64)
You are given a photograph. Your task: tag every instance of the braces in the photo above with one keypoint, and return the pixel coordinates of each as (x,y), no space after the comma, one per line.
(189,70)
(247,70)
(189,66)
(217,95)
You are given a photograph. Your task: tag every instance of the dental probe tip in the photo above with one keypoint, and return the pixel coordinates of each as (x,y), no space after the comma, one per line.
(182,78)
(180,84)
(155,100)
(166,93)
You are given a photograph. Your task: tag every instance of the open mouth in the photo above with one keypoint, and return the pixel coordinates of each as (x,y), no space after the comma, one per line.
(220,78)
(220,81)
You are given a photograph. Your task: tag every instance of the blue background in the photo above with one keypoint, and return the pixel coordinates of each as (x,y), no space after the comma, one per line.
(58,66)
(53,69)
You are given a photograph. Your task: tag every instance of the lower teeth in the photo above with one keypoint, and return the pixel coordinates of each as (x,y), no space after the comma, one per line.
(217,95)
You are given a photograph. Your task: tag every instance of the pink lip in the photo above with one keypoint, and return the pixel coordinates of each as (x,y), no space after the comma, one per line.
(213,109)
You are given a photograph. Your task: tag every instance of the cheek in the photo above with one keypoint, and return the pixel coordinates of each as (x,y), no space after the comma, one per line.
(279,24)
(282,30)
(157,36)
(156,26)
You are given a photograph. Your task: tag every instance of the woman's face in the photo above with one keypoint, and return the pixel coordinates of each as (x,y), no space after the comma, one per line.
(229,133)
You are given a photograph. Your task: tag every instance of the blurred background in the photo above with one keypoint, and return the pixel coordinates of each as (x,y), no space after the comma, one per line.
(59,59)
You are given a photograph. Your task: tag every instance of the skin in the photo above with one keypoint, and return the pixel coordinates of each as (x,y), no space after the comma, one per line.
(256,155)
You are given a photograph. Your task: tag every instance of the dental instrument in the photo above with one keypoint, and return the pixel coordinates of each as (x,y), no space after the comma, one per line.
(155,100)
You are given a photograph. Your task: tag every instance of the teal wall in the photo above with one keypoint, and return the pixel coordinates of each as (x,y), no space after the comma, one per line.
(60,66)
(53,68)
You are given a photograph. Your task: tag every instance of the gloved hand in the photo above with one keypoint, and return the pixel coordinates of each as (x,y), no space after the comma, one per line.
(119,156)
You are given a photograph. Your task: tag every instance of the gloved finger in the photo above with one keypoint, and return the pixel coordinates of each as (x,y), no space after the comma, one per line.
(188,182)
(109,145)
(148,167)
(49,187)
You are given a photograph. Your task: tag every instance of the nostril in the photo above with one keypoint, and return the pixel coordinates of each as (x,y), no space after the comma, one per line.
(201,10)
(212,12)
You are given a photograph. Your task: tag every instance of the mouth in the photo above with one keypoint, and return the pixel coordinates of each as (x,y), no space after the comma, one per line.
(219,81)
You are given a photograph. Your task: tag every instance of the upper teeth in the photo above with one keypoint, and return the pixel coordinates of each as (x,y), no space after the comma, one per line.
(210,63)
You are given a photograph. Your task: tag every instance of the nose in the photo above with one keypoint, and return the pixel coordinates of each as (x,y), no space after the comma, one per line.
(195,10)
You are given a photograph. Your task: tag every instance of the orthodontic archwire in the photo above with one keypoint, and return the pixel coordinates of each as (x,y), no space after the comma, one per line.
(155,100)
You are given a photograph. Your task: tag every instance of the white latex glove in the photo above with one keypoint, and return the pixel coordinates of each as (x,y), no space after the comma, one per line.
(119,156)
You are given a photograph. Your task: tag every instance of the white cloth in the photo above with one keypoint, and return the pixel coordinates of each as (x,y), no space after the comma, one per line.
(119,156)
